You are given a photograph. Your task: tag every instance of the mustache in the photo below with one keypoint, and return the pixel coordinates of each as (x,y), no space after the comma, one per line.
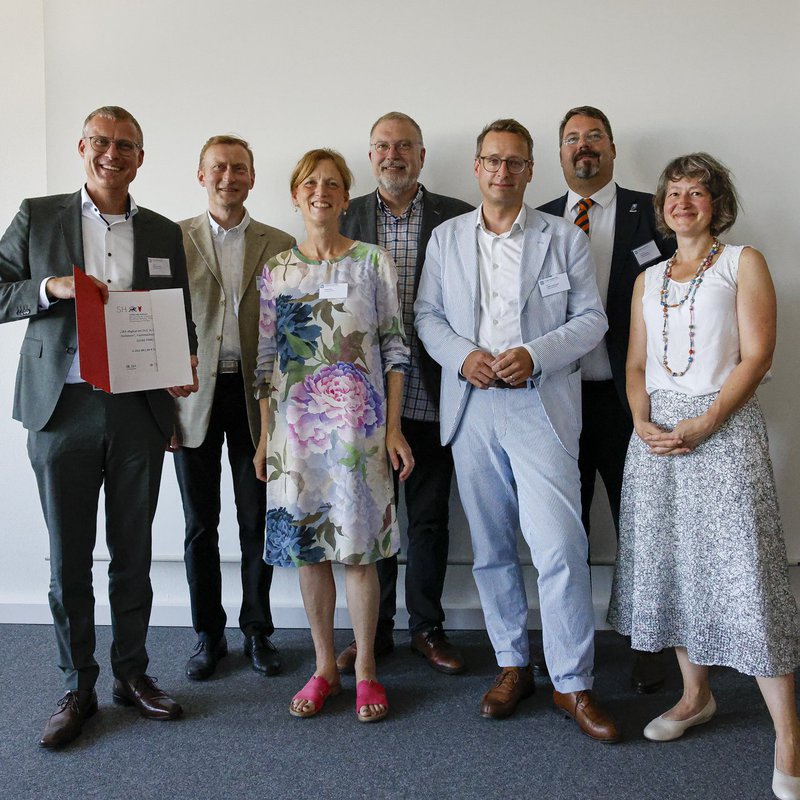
(587,151)
(387,164)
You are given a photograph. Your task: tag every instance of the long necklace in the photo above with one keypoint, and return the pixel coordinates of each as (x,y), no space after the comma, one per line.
(691,291)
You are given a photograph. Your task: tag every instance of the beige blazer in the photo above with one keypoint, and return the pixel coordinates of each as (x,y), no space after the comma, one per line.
(208,307)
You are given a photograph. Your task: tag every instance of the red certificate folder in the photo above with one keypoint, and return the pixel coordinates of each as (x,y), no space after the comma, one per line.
(136,341)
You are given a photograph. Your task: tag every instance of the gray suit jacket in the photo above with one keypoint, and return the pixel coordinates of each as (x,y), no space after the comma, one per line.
(208,306)
(559,327)
(360,221)
(45,239)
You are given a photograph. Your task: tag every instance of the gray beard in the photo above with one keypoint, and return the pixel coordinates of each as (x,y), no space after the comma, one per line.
(396,185)
(584,170)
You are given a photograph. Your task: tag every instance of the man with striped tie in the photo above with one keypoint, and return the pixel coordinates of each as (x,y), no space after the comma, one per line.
(620,224)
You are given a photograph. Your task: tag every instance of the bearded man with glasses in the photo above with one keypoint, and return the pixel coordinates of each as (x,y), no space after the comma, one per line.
(507,305)
(400,216)
(624,240)
(80,439)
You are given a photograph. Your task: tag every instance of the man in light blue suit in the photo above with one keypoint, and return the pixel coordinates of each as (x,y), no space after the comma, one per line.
(507,305)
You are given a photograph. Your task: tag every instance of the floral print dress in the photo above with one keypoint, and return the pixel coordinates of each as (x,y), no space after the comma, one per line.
(328,331)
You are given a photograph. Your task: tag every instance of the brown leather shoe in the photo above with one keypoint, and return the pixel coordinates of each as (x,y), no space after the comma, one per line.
(66,722)
(511,685)
(591,717)
(346,660)
(142,692)
(441,654)
(648,672)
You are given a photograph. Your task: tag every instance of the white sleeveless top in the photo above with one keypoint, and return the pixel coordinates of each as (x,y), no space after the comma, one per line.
(716,336)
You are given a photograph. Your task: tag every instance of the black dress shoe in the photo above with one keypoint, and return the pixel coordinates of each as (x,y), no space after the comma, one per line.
(648,672)
(66,722)
(203,662)
(265,657)
(538,664)
(142,692)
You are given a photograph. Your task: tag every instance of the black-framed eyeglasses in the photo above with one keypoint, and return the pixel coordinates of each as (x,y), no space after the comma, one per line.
(125,147)
(514,165)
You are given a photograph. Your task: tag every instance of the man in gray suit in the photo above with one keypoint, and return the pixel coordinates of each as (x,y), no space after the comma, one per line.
(225,251)
(507,305)
(80,439)
(400,216)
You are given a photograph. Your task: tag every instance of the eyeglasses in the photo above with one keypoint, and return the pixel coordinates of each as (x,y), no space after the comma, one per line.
(589,138)
(403,146)
(514,165)
(125,147)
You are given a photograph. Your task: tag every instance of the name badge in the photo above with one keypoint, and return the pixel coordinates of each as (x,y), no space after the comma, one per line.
(554,284)
(646,253)
(159,267)
(333,291)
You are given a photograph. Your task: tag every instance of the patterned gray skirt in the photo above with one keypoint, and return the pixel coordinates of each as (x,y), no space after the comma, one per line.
(701,561)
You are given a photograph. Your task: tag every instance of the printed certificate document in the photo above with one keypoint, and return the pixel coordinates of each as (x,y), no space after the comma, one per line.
(136,341)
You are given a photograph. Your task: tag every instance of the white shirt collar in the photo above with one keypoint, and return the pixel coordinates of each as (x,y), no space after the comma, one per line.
(87,204)
(517,225)
(602,197)
(218,230)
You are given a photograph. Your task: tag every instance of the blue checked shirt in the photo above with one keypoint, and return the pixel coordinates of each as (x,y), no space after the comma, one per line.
(400,236)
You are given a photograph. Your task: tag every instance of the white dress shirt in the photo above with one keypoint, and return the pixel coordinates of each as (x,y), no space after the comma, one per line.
(595,365)
(229,249)
(107,254)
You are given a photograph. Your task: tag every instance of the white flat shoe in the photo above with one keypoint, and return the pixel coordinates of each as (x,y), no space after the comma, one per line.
(784,787)
(665,730)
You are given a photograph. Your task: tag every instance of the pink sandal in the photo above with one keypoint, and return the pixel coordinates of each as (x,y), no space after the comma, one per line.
(316,691)
(371,693)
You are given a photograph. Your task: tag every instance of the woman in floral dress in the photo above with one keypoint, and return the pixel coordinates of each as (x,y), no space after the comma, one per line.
(329,378)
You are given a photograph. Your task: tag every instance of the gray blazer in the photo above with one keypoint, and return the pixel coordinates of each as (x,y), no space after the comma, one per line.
(45,239)
(208,308)
(559,327)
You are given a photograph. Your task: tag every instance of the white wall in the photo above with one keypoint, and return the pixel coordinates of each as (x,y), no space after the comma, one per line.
(673,77)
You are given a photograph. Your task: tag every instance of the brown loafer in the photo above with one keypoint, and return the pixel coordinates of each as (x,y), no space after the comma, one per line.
(66,722)
(441,654)
(511,685)
(142,692)
(592,718)
(346,660)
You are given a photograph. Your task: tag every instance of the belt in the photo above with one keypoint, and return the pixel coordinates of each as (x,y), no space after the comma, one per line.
(498,384)
(225,367)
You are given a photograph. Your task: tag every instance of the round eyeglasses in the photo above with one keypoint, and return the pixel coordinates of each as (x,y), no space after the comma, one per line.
(514,165)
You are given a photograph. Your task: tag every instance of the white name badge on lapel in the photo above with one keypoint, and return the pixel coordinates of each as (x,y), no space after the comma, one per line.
(646,253)
(159,267)
(333,291)
(554,284)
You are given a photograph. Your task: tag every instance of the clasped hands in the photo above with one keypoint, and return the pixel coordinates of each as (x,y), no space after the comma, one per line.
(513,366)
(679,441)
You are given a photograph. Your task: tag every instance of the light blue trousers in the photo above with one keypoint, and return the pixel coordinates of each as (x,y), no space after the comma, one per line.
(513,472)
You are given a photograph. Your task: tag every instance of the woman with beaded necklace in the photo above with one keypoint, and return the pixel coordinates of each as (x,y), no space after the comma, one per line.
(701,564)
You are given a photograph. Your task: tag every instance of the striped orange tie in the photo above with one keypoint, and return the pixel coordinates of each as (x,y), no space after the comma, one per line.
(582,220)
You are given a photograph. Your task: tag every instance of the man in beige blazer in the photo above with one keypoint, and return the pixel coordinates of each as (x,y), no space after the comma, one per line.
(225,251)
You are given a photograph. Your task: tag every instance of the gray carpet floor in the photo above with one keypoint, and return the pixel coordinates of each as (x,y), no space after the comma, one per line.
(238,741)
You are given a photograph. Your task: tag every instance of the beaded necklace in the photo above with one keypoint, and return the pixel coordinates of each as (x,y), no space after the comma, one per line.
(691,291)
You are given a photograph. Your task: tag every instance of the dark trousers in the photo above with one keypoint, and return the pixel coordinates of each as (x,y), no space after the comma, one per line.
(605,435)
(199,471)
(427,497)
(96,439)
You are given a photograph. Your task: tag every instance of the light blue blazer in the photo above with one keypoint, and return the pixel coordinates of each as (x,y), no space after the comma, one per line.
(559,328)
